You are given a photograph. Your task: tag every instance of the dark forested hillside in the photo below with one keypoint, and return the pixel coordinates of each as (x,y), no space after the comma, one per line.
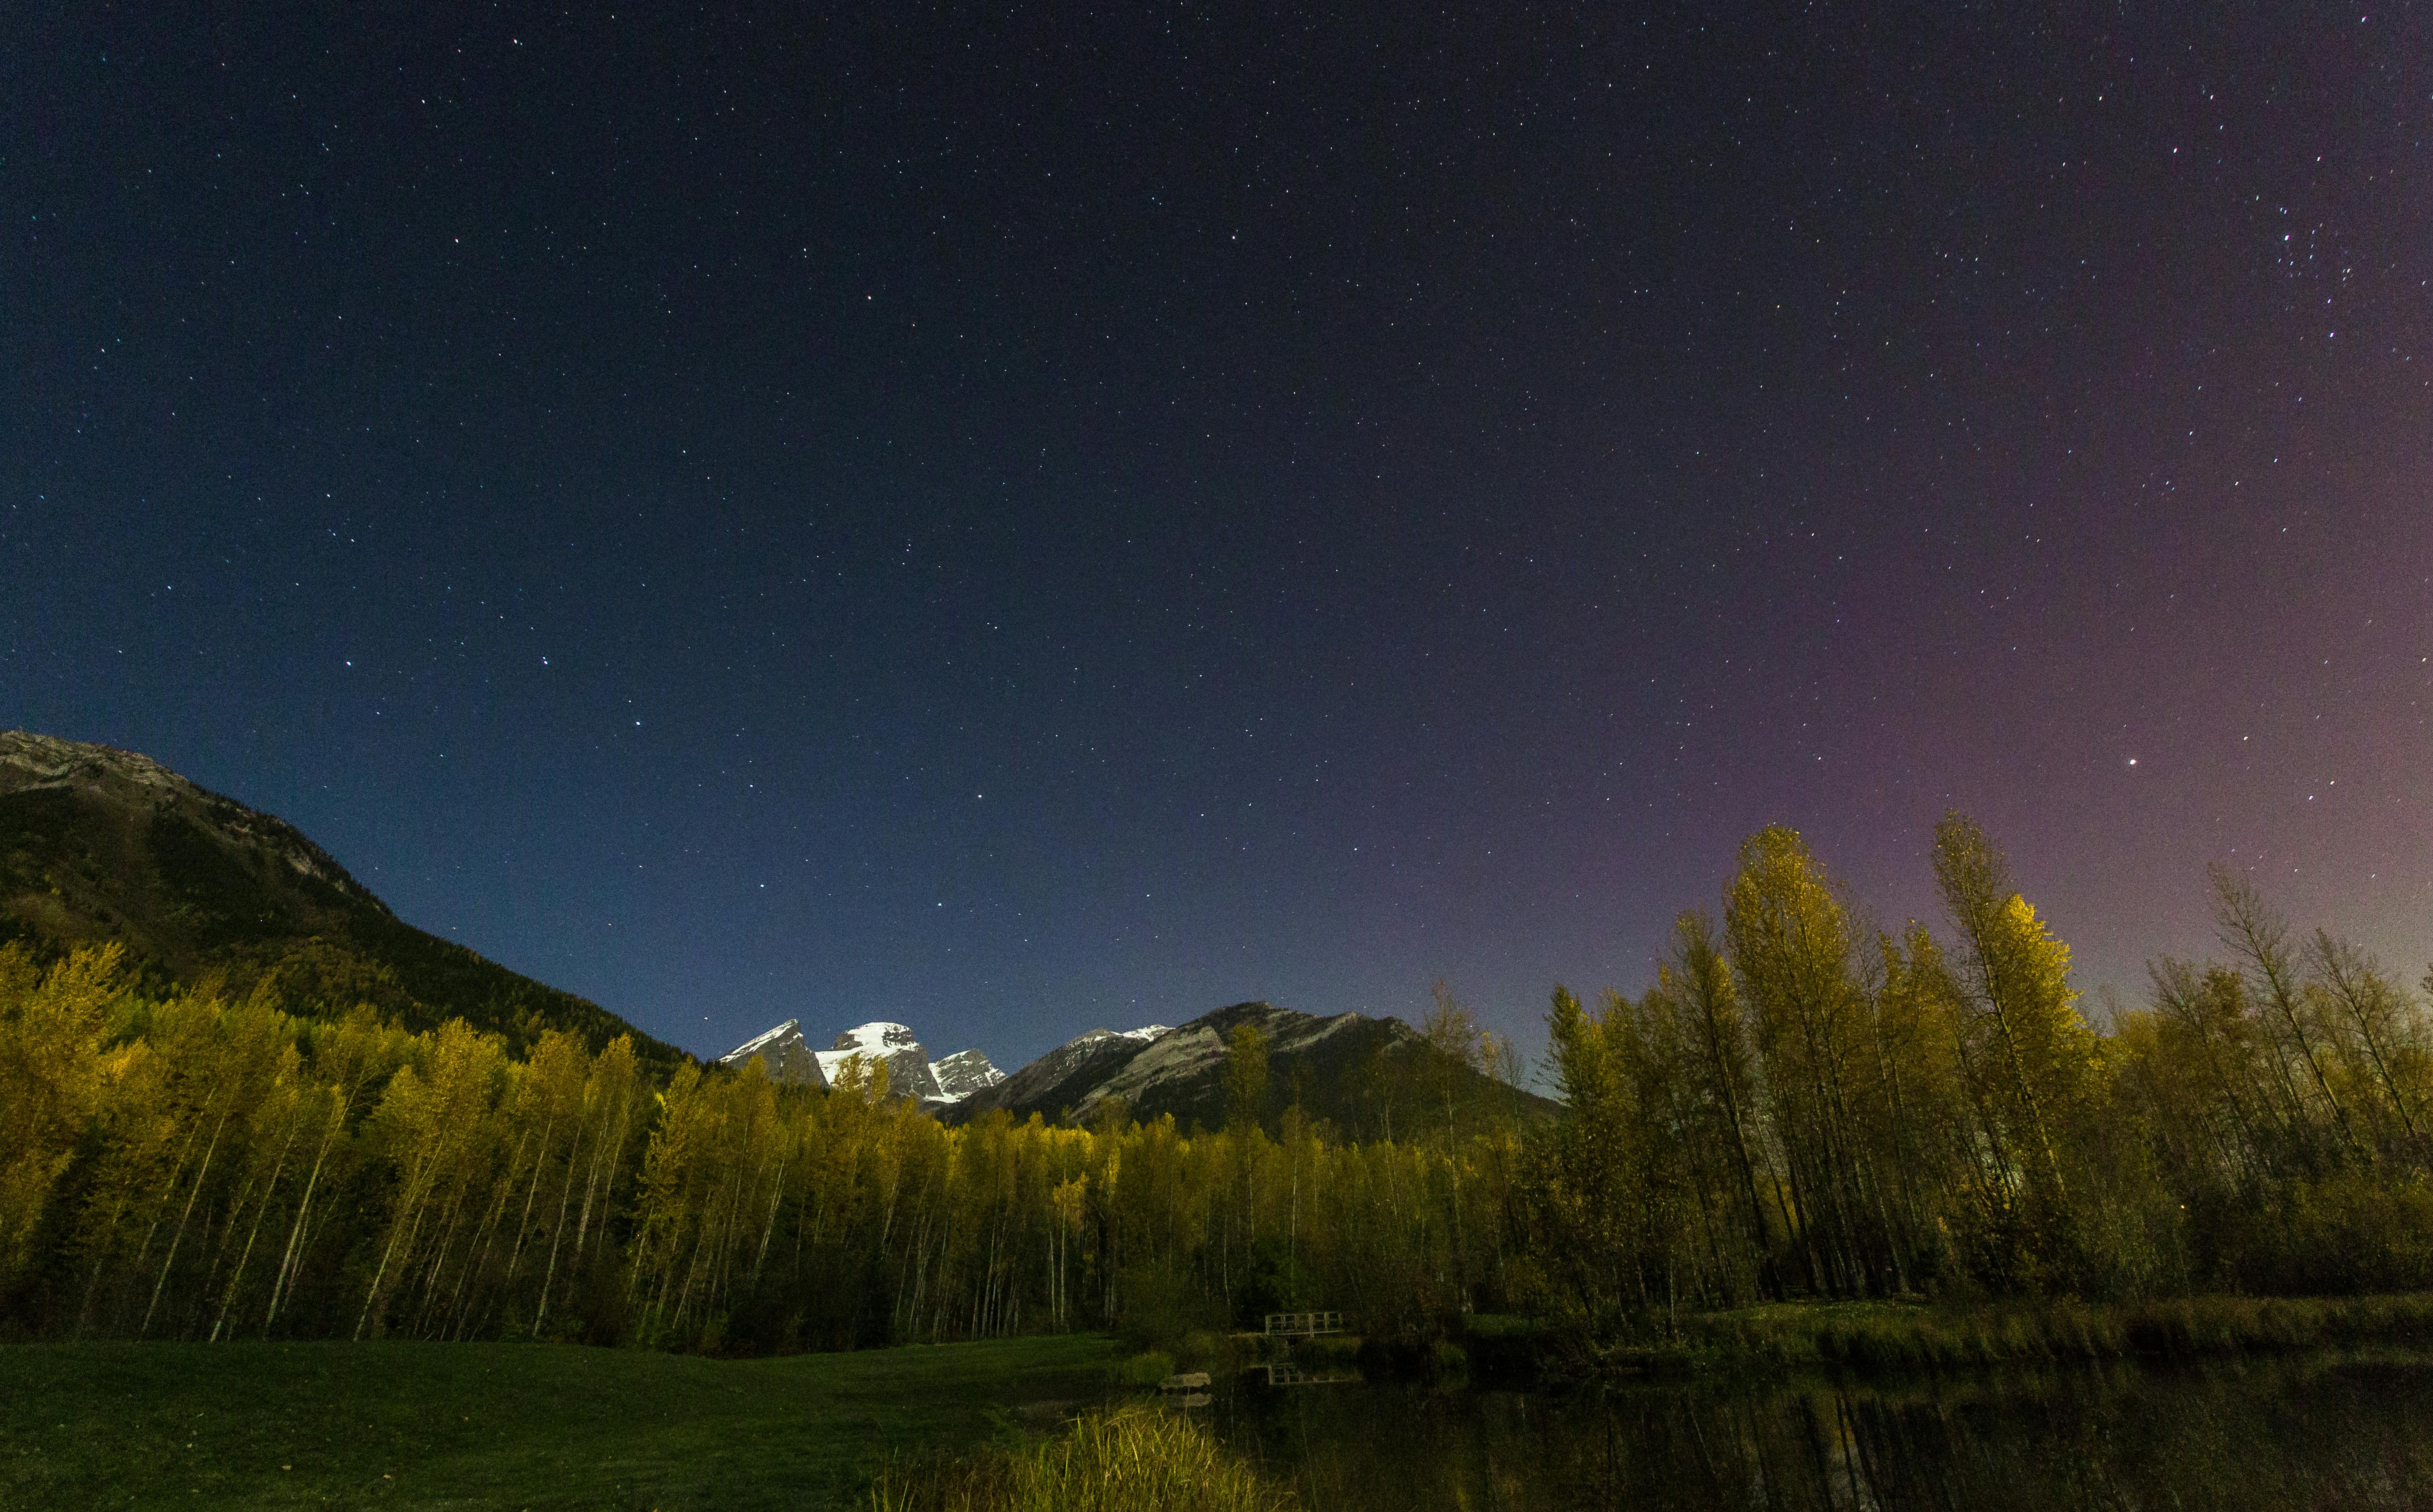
(100,846)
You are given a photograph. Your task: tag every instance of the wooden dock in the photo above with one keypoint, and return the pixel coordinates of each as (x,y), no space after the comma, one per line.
(1283,1329)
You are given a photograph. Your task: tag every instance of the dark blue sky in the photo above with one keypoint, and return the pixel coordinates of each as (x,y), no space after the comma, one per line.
(1016,525)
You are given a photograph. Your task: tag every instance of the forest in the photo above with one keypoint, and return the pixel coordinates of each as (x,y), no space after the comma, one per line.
(1794,1108)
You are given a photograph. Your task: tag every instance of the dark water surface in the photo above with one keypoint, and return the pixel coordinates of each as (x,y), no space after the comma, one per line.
(2283,1434)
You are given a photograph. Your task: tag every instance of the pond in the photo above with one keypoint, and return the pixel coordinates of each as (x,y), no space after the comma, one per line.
(2345,1432)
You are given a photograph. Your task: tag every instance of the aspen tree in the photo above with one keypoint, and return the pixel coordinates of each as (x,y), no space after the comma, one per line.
(2249,926)
(1791,948)
(613,1098)
(283,1118)
(2015,976)
(2377,1013)
(1712,1003)
(1591,1169)
(55,1077)
(348,1058)
(432,1128)
(1246,1077)
(2204,1027)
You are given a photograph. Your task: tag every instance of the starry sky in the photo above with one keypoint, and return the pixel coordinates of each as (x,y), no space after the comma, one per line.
(1028,522)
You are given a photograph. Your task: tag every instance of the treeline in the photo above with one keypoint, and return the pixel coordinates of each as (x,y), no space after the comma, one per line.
(207,1168)
(1797,1107)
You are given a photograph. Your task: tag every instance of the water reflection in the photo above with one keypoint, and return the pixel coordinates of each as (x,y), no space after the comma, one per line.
(2319,1432)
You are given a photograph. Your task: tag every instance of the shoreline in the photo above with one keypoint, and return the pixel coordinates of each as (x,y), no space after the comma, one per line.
(1906,1337)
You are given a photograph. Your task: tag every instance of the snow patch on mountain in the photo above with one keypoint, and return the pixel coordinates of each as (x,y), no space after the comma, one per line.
(964,1073)
(893,1045)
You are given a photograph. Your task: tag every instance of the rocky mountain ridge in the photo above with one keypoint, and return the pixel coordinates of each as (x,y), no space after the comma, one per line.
(1364,1076)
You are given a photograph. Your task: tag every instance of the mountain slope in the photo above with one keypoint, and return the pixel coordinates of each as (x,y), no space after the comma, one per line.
(99,844)
(1368,1076)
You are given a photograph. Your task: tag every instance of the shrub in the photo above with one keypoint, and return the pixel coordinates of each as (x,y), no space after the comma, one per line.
(1162,1303)
(1146,1369)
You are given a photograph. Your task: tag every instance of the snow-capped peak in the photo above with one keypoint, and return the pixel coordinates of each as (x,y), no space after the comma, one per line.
(893,1045)
(763,1041)
(877,1037)
(910,1073)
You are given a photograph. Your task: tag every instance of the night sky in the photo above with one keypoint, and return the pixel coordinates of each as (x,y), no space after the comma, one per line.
(1020,524)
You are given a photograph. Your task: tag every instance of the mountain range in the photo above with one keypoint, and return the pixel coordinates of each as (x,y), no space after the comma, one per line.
(1367,1077)
(99,844)
(789,1060)
(1359,1074)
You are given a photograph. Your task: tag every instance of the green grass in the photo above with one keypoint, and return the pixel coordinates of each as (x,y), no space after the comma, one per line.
(505,1425)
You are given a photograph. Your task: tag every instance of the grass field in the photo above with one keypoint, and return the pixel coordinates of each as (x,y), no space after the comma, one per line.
(502,1425)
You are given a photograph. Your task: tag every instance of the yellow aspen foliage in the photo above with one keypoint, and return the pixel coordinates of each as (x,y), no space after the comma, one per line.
(53,1078)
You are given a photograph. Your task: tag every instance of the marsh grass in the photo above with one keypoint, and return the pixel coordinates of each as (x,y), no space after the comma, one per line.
(1891,1336)
(1131,1459)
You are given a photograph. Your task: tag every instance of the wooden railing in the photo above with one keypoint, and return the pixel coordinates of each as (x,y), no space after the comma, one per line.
(1303,1325)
